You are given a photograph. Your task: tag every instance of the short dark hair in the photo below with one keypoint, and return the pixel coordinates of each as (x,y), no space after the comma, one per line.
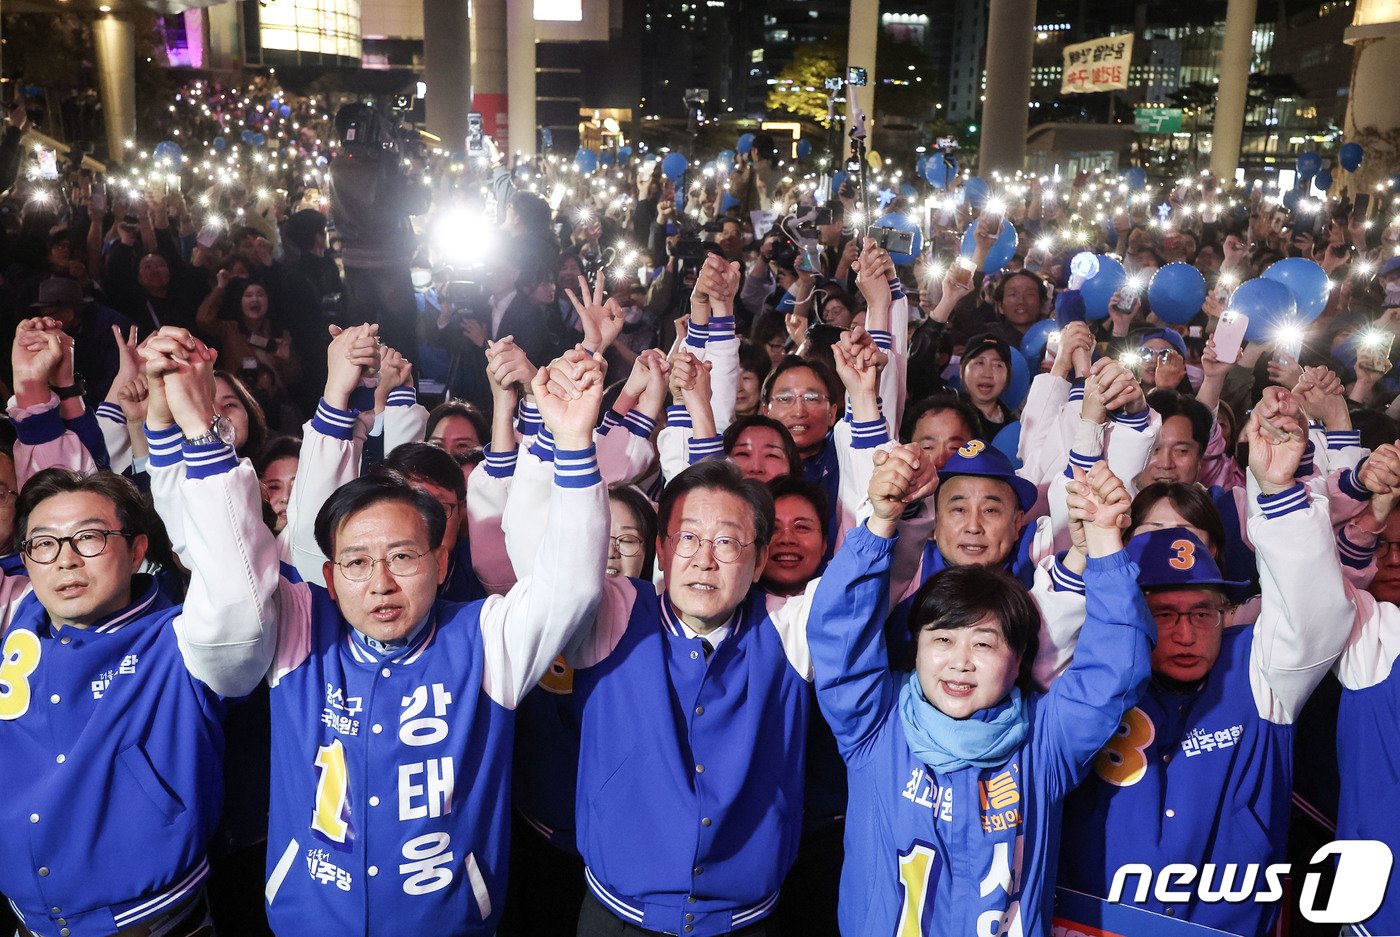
(630,497)
(429,462)
(937,403)
(812,493)
(1192,502)
(278,447)
(1168,403)
(133,515)
(257,420)
(1040,286)
(380,487)
(715,475)
(736,429)
(755,360)
(463,409)
(961,596)
(791,363)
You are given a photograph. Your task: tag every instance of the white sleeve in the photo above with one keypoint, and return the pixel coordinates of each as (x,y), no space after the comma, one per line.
(789,615)
(530,488)
(1305,610)
(405,419)
(1373,644)
(855,457)
(722,351)
(488,490)
(112,422)
(1043,445)
(293,629)
(45,442)
(893,384)
(524,630)
(331,446)
(1130,448)
(227,630)
(1059,594)
(166,469)
(673,443)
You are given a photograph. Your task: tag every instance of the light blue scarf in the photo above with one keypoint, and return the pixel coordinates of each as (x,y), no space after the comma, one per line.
(985,739)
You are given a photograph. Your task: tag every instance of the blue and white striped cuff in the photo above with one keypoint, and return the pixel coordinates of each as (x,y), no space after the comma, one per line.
(610,419)
(896,289)
(1076,390)
(722,329)
(107,410)
(1342,438)
(678,416)
(543,446)
(869,434)
(405,396)
(164,446)
(527,419)
(639,424)
(1133,421)
(576,468)
(1305,464)
(1063,579)
(40,428)
(1354,554)
(1350,485)
(500,464)
(338,424)
(697,335)
(883,340)
(1080,460)
(701,449)
(1285,502)
(207,459)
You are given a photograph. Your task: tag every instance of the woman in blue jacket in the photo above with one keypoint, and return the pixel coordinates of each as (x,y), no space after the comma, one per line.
(958,772)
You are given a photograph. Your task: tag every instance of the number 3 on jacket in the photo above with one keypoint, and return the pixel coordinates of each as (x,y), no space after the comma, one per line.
(21,658)
(916,874)
(1123,761)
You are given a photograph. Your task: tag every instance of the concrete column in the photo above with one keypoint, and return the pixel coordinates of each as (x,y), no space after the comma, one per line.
(1006,111)
(860,51)
(446,45)
(488,51)
(1235,57)
(1373,109)
(520,70)
(115,40)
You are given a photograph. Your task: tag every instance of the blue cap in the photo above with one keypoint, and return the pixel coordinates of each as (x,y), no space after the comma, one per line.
(1170,336)
(1175,558)
(982,458)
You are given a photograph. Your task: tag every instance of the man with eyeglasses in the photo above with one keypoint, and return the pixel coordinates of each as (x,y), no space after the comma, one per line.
(392,709)
(111,696)
(1201,770)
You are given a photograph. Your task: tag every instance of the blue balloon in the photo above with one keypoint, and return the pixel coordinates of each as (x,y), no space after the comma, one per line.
(1002,251)
(940,170)
(260,139)
(624,155)
(1037,337)
(1135,177)
(976,191)
(728,202)
(219,144)
(804,149)
(838,179)
(169,151)
(1020,383)
(902,222)
(607,157)
(586,161)
(1176,293)
(908,191)
(744,143)
(247,136)
(1268,303)
(1308,164)
(1350,156)
(1097,291)
(725,160)
(1307,282)
(1323,180)
(1008,442)
(285,110)
(674,165)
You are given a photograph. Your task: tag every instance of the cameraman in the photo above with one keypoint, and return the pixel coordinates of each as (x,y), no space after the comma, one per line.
(372,195)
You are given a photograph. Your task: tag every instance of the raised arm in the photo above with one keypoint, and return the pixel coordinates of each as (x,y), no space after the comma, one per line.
(41,353)
(525,629)
(227,629)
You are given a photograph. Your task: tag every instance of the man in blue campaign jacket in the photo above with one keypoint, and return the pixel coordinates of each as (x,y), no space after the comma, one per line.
(110,696)
(694,711)
(392,710)
(1200,771)
(958,772)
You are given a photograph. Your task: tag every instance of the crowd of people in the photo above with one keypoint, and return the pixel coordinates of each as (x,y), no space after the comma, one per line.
(559,553)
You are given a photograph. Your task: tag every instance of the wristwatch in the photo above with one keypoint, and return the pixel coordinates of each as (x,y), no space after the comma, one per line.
(76,389)
(220,430)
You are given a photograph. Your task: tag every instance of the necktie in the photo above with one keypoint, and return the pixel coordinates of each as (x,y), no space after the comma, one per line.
(708,647)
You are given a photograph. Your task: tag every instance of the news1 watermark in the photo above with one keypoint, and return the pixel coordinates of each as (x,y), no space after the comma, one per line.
(1357,871)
